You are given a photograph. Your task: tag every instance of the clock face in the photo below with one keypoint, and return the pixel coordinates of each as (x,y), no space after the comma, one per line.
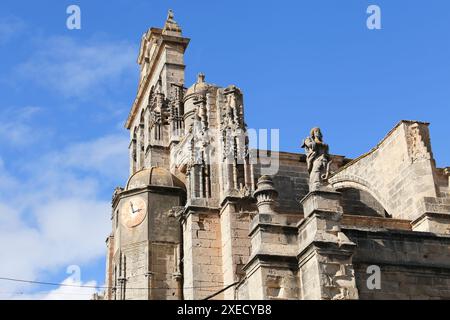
(133,211)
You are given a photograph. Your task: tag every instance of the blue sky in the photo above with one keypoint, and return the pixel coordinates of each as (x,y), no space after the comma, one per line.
(65,95)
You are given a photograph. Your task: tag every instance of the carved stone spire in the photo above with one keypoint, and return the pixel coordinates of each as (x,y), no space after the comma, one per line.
(171,27)
(265,195)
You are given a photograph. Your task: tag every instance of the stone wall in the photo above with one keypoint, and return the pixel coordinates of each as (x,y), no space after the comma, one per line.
(135,265)
(398,172)
(442,178)
(163,225)
(413,265)
(234,223)
(109,267)
(157,156)
(291,178)
(202,261)
(360,202)
(309,279)
(165,277)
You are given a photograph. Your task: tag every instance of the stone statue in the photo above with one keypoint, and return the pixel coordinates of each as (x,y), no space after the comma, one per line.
(317,159)
(232,108)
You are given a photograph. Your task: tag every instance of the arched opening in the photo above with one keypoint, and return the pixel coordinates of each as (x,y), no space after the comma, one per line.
(361,203)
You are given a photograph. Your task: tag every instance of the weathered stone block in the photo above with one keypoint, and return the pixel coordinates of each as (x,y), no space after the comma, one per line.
(321,201)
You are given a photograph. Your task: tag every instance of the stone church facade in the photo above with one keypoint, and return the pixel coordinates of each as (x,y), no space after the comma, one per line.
(203,211)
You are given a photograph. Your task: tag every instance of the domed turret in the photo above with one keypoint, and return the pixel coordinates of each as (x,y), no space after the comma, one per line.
(154,176)
(198,89)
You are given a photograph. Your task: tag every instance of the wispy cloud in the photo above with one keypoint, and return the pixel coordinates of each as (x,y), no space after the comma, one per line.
(15,125)
(79,69)
(57,215)
(10,27)
(7,181)
(54,210)
(93,155)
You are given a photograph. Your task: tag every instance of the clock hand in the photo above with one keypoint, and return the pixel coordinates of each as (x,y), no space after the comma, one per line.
(132,209)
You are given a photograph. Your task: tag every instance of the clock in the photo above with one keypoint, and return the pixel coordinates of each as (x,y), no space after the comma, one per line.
(134,211)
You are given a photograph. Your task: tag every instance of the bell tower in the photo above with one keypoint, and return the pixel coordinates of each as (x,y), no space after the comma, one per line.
(156,121)
(144,249)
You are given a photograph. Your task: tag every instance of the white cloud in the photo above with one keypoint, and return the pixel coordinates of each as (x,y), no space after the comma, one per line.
(93,155)
(10,27)
(80,69)
(56,215)
(69,292)
(15,127)
(7,181)
(53,208)
(69,289)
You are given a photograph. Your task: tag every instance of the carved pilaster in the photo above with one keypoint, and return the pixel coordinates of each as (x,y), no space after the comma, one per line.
(325,253)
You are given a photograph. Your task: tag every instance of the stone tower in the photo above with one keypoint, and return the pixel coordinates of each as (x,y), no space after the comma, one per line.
(145,245)
(189,169)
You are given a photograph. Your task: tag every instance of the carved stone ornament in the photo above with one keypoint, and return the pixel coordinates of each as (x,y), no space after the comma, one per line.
(317,159)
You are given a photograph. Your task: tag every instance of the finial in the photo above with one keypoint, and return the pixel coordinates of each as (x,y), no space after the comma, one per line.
(171,27)
(201,77)
(170,14)
(265,195)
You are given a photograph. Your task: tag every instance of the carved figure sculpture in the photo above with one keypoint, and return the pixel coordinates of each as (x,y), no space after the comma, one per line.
(317,159)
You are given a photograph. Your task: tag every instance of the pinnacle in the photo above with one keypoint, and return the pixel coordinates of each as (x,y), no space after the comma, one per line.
(171,27)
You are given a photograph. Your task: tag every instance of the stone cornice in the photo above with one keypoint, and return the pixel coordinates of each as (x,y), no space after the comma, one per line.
(269,259)
(149,188)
